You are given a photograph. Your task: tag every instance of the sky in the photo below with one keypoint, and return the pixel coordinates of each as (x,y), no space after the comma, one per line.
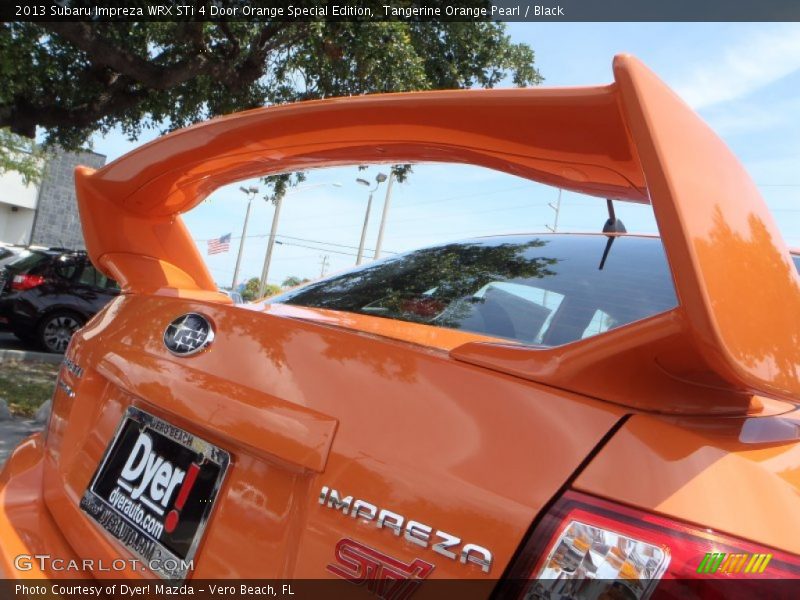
(742,78)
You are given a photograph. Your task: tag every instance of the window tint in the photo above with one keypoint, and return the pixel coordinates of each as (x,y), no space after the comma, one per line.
(545,290)
(89,275)
(93,277)
(66,267)
(8,259)
(600,323)
(26,261)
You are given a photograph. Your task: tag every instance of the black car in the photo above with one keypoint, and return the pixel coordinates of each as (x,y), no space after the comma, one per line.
(9,252)
(47,294)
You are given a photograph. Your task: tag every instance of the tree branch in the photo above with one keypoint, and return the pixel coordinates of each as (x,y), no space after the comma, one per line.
(157,77)
(23,115)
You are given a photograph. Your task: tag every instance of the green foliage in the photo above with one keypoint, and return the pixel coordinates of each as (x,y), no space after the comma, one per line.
(26,385)
(72,79)
(280,184)
(250,291)
(293,281)
(21,154)
(401,172)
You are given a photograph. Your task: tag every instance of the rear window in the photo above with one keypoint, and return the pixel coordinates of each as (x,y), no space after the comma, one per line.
(542,290)
(26,261)
(92,277)
(796,260)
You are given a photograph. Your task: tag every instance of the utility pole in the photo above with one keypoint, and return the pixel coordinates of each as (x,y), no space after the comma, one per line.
(262,288)
(251,192)
(557,208)
(386,203)
(379,178)
(324,266)
(274,230)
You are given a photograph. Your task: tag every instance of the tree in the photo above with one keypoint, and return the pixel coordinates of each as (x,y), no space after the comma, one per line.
(250,291)
(294,281)
(72,79)
(21,154)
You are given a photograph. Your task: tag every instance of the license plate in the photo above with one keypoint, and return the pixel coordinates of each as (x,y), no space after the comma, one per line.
(154,491)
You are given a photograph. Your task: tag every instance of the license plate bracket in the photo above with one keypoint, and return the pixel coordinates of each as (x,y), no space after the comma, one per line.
(154,491)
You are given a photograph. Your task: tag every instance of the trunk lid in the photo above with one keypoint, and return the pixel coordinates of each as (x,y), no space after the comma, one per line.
(319,422)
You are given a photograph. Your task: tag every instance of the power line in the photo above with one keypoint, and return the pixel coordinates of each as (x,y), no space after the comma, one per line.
(313,248)
(289,237)
(461,196)
(471,212)
(426,202)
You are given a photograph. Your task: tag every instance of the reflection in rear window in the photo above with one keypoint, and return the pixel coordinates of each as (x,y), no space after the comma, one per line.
(544,290)
(26,261)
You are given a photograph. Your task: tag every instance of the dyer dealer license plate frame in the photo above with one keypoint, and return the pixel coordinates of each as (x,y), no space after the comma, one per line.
(154,491)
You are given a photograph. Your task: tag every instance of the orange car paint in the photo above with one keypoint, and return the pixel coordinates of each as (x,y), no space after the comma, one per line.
(468,434)
(306,405)
(740,475)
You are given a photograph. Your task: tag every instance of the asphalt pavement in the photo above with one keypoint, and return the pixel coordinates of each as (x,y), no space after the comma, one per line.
(12,432)
(13,429)
(8,341)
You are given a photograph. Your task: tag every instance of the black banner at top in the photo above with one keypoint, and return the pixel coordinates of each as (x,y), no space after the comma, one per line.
(409,10)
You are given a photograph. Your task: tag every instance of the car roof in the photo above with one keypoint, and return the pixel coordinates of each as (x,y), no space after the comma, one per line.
(55,251)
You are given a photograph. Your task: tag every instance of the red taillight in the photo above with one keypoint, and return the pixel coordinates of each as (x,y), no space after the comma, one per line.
(586,547)
(26,282)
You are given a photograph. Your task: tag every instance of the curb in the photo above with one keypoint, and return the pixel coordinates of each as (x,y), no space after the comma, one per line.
(46,357)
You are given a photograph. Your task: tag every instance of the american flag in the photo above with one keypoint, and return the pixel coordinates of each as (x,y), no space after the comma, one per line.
(221,244)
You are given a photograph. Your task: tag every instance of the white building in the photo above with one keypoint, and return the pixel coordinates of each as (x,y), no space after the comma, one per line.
(45,214)
(17,208)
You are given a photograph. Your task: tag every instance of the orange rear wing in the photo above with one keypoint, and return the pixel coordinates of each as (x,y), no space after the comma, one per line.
(735,332)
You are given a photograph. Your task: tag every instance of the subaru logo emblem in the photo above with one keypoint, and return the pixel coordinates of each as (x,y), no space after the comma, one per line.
(188,334)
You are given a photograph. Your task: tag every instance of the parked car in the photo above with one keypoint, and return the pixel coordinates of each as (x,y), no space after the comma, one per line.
(235,296)
(9,252)
(554,416)
(46,294)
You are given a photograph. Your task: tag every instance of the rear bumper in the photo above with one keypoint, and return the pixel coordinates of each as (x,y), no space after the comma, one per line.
(4,310)
(15,317)
(27,529)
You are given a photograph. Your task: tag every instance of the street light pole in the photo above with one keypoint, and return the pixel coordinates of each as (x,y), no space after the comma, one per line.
(364,229)
(251,192)
(379,178)
(557,209)
(386,203)
(274,230)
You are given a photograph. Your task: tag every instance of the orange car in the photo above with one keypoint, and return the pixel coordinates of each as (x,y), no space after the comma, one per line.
(558,416)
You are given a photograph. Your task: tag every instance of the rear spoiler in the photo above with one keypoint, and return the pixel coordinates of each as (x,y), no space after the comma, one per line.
(735,333)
